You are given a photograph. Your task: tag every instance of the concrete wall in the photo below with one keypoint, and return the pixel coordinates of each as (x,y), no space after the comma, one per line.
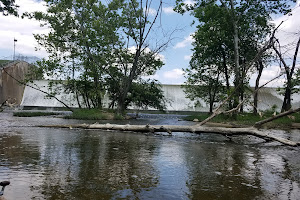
(33,97)
(174,93)
(178,102)
(10,89)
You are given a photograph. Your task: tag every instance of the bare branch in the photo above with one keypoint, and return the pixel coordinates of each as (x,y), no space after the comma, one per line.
(295,57)
(217,112)
(268,45)
(153,22)
(25,84)
(257,124)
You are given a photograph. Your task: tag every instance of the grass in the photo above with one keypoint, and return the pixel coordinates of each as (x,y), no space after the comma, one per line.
(248,119)
(33,114)
(93,114)
(4,61)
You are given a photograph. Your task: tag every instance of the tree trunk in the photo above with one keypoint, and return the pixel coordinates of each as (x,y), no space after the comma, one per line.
(242,99)
(77,98)
(226,72)
(236,55)
(255,95)
(289,75)
(226,77)
(287,105)
(127,82)
(211,105)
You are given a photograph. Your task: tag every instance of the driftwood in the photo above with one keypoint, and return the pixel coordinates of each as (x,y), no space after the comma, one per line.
(176,128)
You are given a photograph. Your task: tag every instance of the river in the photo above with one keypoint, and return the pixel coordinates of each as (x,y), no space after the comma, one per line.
(48,163)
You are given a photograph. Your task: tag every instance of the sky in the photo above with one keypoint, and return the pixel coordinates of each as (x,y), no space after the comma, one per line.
(176,56)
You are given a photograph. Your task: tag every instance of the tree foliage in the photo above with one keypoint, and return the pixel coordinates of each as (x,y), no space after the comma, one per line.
(8,7)
(229,36)
(146,94)
(291,74)
(97,47)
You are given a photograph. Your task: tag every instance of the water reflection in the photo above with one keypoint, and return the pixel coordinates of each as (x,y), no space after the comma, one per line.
(89,164)
(93,165)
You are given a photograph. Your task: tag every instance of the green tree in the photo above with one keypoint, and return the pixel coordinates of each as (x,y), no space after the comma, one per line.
(291,75)
(145,94)
(8,7)
(205,83)
(148,64)
(241,26)
(211,61)
(138,25)
(99,47)
(80,44)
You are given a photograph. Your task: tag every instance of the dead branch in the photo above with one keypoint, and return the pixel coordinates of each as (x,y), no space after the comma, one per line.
(259,123)
(217,111)
(175,128)
(25,84)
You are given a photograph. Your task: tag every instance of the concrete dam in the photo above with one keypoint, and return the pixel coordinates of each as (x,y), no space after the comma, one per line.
(175,95)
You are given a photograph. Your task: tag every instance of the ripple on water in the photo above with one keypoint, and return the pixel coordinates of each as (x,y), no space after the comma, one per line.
(83,164)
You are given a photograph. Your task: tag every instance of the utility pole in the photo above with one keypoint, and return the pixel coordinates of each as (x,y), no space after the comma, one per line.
(15,40)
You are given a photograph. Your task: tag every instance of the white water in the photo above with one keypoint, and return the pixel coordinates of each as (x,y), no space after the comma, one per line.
(174,93)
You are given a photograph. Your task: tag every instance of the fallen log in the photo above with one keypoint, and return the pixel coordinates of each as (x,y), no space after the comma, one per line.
(175,128)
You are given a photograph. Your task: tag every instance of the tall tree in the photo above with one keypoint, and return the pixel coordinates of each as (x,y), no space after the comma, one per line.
(105,44)
(245,26)
(138,25)
(289,74)
(148,63)
(85,33)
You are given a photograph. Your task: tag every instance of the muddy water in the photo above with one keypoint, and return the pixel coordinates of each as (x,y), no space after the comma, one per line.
(44,163)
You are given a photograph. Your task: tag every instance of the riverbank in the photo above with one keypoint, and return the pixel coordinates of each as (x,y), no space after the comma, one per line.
(240,120)
(249,119)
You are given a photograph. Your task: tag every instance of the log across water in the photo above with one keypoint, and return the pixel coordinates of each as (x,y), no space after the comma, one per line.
(180,128)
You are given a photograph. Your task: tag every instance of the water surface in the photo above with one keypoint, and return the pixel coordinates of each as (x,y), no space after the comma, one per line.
(47,163)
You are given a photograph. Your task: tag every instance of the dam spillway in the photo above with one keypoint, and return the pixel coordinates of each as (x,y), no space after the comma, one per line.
(175,95)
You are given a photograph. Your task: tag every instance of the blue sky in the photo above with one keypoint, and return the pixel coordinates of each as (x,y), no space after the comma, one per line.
(176,56)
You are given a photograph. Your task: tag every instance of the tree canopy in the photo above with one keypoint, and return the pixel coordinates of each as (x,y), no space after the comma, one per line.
(229,36)
(99,47)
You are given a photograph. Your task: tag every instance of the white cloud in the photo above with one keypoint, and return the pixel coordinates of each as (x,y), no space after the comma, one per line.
(174,74)
(187,41)
(289,31)
(150,11)
(189,2)
(168,10)
(267,75)
(132,49)
(161,57)
(21,29)
(155,76)
(187,57)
